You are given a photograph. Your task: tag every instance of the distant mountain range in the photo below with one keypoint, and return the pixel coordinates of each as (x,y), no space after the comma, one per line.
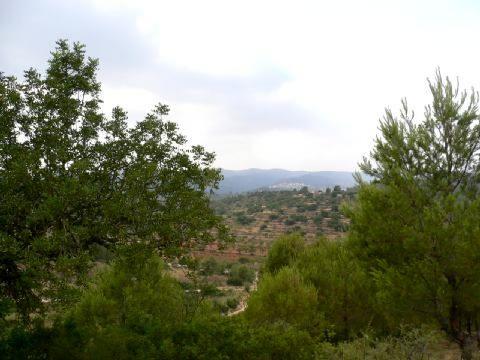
(238,181)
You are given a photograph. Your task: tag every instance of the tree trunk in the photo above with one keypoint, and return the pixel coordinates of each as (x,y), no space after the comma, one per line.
(464,338)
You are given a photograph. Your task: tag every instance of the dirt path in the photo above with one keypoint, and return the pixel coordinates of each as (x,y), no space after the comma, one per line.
(243,301)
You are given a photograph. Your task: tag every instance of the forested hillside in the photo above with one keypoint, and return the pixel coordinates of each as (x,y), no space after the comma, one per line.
(258,218)
(113,244)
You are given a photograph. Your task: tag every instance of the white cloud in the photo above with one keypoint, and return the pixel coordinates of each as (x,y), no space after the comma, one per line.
(293,84)
(139,101)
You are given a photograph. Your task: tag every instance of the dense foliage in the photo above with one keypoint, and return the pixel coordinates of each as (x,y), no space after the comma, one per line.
(73,180)
(416,226)
(93,212)
(284,251)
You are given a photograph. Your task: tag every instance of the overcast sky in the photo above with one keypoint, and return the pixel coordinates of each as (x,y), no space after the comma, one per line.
(297,85)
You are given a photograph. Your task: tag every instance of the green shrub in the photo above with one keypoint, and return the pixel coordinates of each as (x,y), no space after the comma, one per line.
(239,275)
(284,251)
(232,303)
(243,219)
(126,312)
(285,297)
(416,344)
(210,266)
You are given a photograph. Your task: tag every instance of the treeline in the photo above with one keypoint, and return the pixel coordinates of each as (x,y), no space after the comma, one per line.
(310,301)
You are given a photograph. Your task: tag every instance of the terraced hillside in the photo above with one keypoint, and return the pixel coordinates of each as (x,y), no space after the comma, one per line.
(256,219)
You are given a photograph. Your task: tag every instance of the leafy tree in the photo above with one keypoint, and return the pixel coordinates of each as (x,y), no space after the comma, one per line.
(299,218)
(18,342)
(71,178)
(280,341)
(414,344)
(336,223)
(254,208)
(318,219)
(243,219)
(285,297)
(304,190)
(284,251)
(210,266)
(210,337)
(416,226)
(129,311)
(240,274)
(232,303)
(343,287)
(273,216)
(135,310)
(214,337)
